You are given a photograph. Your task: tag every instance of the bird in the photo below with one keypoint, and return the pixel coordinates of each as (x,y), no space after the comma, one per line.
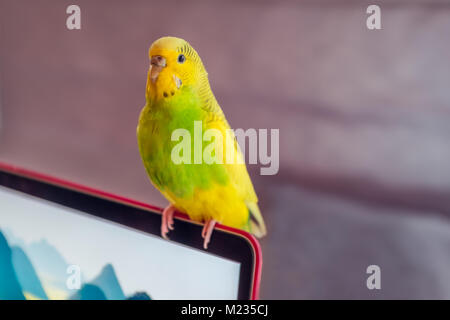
(179,96)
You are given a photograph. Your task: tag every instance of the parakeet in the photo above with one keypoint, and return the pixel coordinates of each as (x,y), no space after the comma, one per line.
(178,95)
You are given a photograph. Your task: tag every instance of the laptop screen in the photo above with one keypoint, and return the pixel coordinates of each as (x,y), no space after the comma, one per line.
(54,252)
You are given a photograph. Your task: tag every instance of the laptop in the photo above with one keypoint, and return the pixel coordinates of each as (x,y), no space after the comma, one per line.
(60,240)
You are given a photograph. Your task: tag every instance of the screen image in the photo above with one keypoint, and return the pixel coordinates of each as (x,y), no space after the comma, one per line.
(48,251)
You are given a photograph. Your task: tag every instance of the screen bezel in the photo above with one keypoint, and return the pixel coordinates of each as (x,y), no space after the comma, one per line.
(228,243)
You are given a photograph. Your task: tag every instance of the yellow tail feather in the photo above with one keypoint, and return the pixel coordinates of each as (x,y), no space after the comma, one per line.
(257,225)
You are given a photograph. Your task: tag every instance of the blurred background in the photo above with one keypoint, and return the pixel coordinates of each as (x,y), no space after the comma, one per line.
(364,119)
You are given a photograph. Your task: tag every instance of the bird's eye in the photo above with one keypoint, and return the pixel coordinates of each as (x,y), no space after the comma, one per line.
(181,58)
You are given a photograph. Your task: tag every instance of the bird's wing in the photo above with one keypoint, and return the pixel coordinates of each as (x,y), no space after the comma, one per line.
(237,171)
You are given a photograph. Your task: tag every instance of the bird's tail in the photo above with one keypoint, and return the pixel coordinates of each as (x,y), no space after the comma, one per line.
(256,221)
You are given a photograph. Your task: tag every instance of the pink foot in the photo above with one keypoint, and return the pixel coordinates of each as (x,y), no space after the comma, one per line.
(207,232)
(167,221)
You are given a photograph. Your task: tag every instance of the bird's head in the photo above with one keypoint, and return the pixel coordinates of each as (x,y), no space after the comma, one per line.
(173,64)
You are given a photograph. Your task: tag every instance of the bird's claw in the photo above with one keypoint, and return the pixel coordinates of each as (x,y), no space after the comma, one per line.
(167,221)
(207,232)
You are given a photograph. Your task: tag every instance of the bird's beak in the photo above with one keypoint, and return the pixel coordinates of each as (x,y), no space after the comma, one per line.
(157,63)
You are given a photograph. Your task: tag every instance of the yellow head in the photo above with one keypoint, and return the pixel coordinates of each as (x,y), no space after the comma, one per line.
(173,64)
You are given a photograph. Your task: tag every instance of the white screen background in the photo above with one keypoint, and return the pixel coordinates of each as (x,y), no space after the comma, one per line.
(142,262)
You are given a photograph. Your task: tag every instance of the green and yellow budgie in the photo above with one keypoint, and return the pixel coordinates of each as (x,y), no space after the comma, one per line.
(178,94)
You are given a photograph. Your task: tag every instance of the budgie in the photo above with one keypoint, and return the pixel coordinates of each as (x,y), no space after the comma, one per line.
(178,94)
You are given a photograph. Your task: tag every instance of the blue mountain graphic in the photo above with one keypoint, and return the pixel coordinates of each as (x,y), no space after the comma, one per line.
(26,273)
(108,282)
(49,263)
(89,292)
(9,284)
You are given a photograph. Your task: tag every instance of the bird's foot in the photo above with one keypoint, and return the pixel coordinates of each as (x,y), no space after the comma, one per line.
(207,232)
(167,221)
